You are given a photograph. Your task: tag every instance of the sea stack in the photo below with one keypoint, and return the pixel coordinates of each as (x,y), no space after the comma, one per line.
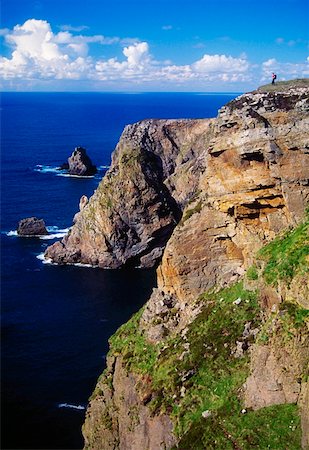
(31,226)
(80,164)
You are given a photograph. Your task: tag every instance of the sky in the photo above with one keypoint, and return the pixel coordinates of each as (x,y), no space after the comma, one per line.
(151,45)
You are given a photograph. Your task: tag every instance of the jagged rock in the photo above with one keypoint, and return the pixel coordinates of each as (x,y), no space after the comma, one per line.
(32,226)
(79,163)
(237,181)
(133,213)
(138,429)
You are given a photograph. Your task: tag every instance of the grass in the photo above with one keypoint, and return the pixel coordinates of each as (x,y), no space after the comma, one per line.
(287,255)
(129,342)
(282,86)
(198,371)
(276,428)
(189,212)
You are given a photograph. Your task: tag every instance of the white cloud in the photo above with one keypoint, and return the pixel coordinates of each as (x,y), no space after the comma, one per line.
(40,54)
(137,54)
(220,63)
(167,27)
(73,28)
(284,70)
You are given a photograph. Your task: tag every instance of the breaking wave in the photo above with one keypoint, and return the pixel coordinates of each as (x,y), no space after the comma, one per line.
(68,405)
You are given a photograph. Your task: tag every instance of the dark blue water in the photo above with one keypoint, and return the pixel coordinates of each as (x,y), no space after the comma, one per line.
(56,320)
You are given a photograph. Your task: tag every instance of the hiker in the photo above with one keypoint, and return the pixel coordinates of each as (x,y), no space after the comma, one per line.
(274,77)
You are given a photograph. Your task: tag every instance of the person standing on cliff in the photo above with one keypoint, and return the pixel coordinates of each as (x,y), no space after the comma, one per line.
(274,77)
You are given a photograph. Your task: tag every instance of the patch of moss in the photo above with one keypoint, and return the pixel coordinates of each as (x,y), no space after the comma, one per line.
(287,255)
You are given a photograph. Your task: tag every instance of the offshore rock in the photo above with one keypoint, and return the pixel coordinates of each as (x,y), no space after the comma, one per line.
(32,226)
(80,164)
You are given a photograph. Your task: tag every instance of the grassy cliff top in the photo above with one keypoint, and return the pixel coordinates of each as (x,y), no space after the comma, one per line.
(284,86)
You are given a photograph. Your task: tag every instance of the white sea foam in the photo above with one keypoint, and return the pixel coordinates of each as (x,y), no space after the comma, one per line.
(67,175)
(68,405)
(47,169)
(50,261)
(56,233)
(45,260)
(12,233)
(103,167)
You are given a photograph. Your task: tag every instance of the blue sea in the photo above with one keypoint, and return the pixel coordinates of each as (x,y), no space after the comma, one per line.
(56,320)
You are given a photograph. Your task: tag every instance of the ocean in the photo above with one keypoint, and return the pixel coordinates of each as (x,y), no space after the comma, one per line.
(56,320)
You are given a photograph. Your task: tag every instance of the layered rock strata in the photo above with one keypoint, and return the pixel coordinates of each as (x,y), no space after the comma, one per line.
(205,196)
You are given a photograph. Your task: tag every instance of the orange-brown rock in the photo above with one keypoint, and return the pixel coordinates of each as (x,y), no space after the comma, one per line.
(254,183)
(236,181)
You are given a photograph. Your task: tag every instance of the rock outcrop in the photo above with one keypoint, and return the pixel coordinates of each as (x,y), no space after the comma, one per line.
(79,164)
(137,205)
(203,197)
(31,226)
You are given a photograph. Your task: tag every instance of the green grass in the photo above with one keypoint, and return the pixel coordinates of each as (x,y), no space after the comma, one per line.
(129,342)
(282,86)
(286,255)
(197,372)
(276,428)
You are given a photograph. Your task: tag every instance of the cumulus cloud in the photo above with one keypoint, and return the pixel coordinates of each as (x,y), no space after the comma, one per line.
(40,54)
(284,70)
(220,63)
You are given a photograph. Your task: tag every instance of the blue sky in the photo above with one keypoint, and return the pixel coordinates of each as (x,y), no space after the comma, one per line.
(151,45)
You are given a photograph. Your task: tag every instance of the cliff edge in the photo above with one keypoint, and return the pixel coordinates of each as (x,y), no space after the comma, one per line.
(218,356)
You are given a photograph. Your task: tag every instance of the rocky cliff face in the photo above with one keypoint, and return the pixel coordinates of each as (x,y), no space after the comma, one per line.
(204,196)
(133,212)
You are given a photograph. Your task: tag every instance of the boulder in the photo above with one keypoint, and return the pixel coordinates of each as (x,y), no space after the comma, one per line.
(80,164)
(32,226)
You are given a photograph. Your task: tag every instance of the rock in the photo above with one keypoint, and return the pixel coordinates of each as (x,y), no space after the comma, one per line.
(138,428)
(206,414)
(274,374)
(132,214)
(32,226)
(83,202)
(80,164)
(205,196)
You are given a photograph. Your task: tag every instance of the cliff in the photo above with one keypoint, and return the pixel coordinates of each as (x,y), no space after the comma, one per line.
(218,357)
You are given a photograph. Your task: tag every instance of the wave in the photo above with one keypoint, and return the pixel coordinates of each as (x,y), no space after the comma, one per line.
(11,233)
(47,169)
(50,261)
(67,175)
(45,260)
(54,233)
(68,405)
(41,168)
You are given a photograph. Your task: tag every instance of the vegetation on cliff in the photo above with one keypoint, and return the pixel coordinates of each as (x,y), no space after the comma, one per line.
(218,358)
(198,377)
